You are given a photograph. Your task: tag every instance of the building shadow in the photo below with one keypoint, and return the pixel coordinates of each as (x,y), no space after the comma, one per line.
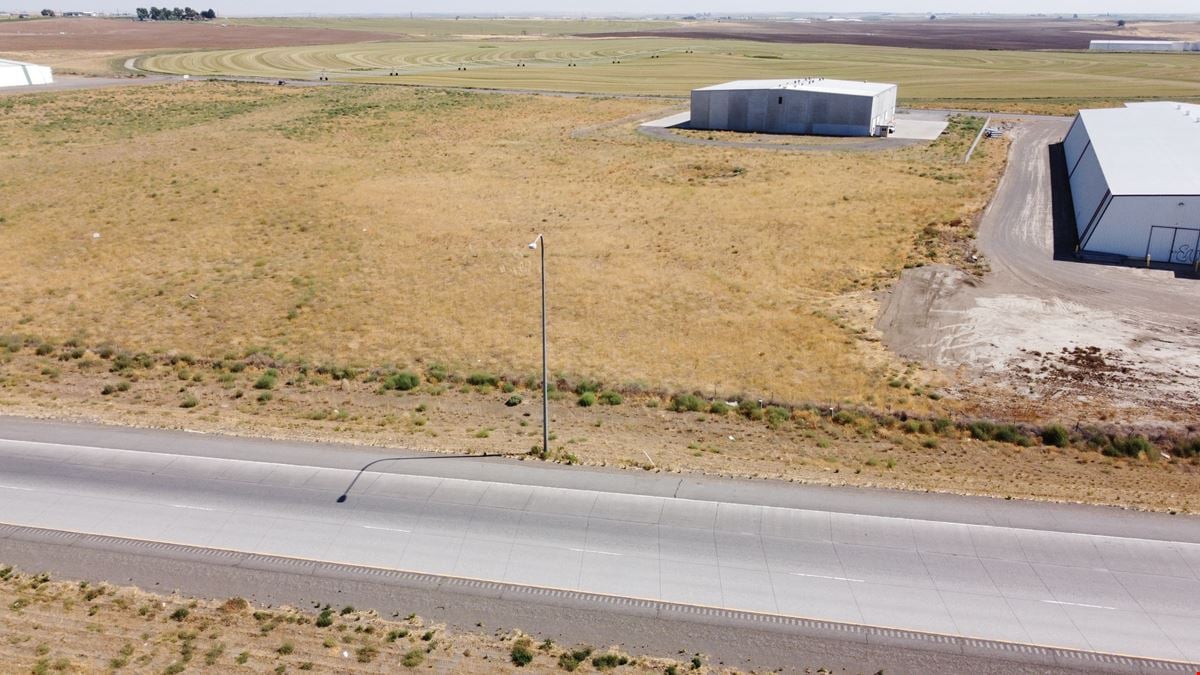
(1066,238)
(1062,207)
(346,493)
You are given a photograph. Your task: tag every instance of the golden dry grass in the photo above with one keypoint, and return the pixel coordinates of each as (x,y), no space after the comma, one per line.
(389,226)
(48,625)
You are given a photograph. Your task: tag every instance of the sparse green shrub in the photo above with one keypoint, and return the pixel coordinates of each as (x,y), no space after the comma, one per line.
(242,658)
(1189,447)
(482,380)
(267,380)
(585,386)
(412,658)
(366,653)
(609,661)
(214,653)
(521,654)
(982,430)
(265,397)
(569,661)
(930,443)
(348,609)
(43,349)
(1128,446)
(394,635)
(1007,433)
(777,416)
(513,401)
(437,372)
(719,408)
(1055,435)
(941,425)
(911,427)
(286,648)
(687,403)
(189,402)
(325,619)
(107,390)
(611,398)
(587,399)
(844,417)
(401,381)
(180,614)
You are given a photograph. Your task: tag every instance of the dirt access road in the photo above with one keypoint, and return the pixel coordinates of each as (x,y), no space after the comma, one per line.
(1059,334)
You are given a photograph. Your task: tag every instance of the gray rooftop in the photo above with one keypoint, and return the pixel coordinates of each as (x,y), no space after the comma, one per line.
(849,87)
(1147,148)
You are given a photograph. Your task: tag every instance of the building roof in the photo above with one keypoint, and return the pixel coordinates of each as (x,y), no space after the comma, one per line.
(10,62)
(820,84)
(1148,148)
(1137,42)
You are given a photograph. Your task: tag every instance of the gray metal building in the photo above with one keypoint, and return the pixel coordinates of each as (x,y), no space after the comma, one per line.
(812,105)
(1135,181)
(1143,46)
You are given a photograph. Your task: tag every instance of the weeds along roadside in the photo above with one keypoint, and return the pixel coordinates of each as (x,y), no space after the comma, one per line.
(262,375)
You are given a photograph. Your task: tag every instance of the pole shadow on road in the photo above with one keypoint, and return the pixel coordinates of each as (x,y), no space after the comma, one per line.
(346,493)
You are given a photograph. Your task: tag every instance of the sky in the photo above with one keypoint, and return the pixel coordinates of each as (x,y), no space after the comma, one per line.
(719,7)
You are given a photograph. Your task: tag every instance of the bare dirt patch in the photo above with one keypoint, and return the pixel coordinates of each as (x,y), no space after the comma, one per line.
(939,34)
(127,35)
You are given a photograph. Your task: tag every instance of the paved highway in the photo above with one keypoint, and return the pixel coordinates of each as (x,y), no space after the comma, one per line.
(1096,592)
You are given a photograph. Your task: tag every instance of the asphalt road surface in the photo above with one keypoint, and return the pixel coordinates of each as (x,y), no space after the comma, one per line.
(932,570)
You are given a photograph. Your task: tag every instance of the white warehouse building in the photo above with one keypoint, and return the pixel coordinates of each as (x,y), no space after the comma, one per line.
(1143,46)
(1135,181)
(19,73)
(798,106)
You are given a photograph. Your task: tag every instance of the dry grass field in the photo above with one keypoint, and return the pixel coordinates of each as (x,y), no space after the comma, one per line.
(388,226)
(676,65)
(48,625)
(223,229)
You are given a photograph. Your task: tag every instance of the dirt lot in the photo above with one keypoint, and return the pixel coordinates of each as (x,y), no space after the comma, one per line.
(128,35)
(1045,334)
(941,34)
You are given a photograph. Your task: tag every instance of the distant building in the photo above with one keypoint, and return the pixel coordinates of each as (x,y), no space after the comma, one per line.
(1143,46)
(1135,181)
(19,73)
(812,105)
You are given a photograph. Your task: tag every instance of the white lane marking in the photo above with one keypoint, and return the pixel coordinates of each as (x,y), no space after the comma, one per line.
(14,487)
(188,506)
(1076,604)
(389,529)
(822,576)
(351,472)
(590,550)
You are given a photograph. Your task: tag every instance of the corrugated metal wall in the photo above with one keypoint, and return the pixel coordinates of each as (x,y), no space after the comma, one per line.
(790,111)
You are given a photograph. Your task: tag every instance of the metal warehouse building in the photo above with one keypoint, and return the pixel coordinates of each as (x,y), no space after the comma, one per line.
(1143,46)
(1135,180)
(18,73)
(800,106)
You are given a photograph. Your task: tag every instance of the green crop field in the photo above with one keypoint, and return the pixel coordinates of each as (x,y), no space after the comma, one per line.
(674,66)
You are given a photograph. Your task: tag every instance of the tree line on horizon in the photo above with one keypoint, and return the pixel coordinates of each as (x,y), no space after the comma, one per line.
(176,14)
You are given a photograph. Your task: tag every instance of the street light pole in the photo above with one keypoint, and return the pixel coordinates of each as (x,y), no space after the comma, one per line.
(540,245)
